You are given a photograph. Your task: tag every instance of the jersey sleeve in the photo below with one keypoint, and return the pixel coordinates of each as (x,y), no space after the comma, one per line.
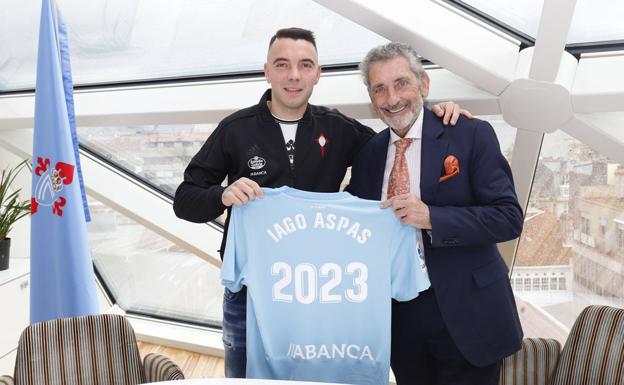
(409,276)
(235,256)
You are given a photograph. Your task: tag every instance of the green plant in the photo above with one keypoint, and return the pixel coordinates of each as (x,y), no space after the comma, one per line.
(12,208)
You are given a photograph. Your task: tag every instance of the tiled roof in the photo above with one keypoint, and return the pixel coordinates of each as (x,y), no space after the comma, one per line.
(541,243)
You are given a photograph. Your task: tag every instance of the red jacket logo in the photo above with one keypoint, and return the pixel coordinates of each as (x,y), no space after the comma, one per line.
(322,141)
(50,184)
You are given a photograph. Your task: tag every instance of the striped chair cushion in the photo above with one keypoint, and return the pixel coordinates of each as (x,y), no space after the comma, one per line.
(91,350)
(160,368)
(534,364)
(594,351)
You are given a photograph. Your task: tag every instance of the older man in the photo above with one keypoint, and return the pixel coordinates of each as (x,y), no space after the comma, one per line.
(455,185)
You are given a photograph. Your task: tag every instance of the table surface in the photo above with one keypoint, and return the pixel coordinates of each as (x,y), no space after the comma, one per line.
(235,381)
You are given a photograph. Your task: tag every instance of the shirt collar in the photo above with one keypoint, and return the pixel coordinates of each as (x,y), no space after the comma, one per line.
(266,113)
(415,132)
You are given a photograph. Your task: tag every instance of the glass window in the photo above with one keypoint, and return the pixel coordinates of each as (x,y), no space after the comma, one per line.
(520,15)
(148,274)
(157,153)
(554,240)
(597,21)
(126,40)
(593,20)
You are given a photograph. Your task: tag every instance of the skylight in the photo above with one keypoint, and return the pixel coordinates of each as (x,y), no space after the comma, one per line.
(594,21)
(115,41)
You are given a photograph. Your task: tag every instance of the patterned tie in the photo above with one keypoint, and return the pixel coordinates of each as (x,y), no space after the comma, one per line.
(398,183)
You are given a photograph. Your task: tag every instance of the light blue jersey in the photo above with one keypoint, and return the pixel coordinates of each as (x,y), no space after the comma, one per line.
(320,271)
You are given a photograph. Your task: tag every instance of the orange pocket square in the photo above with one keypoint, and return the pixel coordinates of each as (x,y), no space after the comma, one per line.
(451,168)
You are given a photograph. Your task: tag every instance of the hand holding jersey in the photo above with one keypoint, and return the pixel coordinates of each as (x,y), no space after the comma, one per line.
(410,209)
(240,192)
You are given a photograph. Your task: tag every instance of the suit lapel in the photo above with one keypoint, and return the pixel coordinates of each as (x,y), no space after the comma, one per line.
(433,151)
(378,161)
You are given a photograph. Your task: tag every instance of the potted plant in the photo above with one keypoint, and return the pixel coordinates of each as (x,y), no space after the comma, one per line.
(12,209)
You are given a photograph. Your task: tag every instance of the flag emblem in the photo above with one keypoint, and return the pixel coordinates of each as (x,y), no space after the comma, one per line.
(50,184)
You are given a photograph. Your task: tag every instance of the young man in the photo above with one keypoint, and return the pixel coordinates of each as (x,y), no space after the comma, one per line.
(281,141)
(455,183)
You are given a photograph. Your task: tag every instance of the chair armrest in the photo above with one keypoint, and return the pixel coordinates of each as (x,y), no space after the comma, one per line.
(160,368)
(6,380)
(534,364)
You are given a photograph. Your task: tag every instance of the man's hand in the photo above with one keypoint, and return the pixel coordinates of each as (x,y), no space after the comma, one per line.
(450,111)
(410,210)
(241,192)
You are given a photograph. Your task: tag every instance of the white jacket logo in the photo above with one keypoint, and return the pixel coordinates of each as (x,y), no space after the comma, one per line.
(256,163)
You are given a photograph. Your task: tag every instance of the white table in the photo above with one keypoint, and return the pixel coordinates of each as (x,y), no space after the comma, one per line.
(236,381)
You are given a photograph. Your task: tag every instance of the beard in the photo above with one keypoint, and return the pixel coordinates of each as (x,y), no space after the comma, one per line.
(404,121)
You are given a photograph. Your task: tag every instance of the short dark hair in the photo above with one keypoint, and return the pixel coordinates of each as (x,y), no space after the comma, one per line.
(295,34)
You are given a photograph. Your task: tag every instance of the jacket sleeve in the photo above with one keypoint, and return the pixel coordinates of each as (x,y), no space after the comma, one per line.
(362,135)
(198,198)
(357,177)
(496,215)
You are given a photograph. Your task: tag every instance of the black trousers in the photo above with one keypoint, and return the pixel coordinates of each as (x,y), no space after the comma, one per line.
(423,352)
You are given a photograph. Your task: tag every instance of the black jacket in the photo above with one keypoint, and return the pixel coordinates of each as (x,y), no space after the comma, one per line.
(249,143)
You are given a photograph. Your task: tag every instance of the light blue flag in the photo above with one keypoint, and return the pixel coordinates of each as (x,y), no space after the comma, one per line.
(61,269)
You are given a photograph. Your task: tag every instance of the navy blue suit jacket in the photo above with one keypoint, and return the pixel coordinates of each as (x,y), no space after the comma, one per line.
(470,213)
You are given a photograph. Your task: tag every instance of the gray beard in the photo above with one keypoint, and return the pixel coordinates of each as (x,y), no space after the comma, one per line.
(405,122)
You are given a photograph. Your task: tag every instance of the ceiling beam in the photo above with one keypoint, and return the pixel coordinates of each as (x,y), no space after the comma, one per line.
(551,38)
(441,34)
(209,102)
(598,139)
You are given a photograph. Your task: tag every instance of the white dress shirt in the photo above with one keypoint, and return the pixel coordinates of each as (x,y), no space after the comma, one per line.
(412,155)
